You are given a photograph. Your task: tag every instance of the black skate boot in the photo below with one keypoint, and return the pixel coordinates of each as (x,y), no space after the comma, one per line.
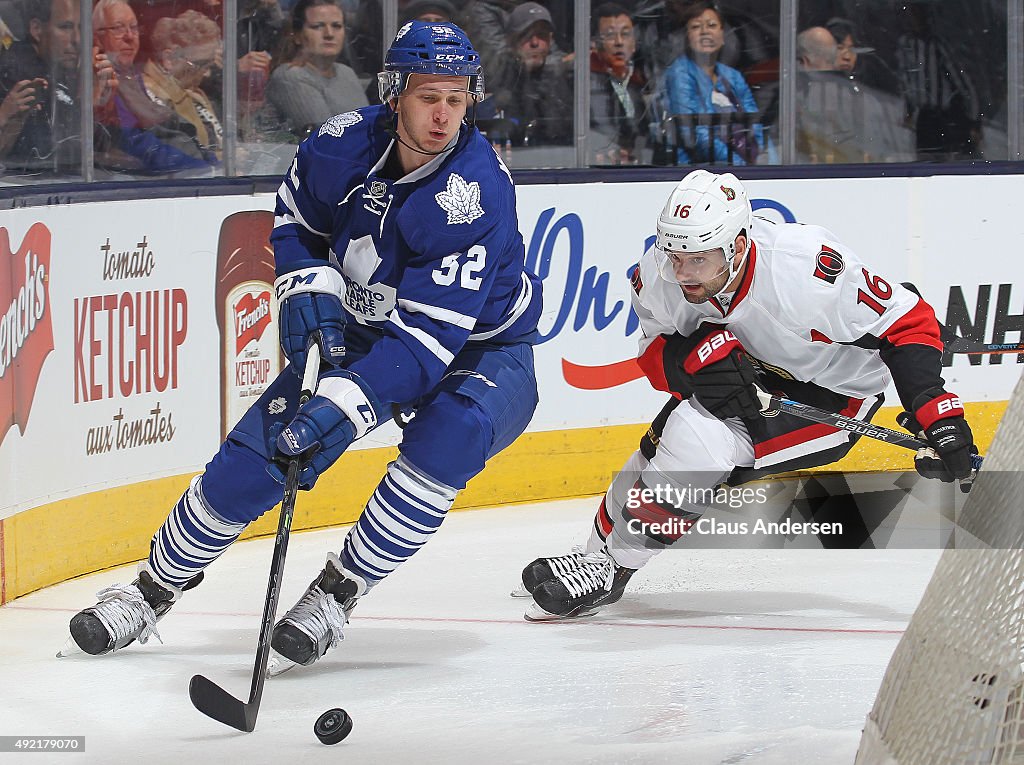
(542,569)
(126,613)
(315,623)
(595,581)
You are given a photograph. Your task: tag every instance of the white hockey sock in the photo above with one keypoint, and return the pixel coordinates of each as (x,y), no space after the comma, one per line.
(628,550)
(191,538)
(403,513)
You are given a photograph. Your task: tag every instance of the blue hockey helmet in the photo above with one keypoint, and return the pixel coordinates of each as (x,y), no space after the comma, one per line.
(421,47)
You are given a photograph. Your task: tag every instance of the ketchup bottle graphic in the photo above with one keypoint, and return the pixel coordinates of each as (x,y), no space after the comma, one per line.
(246,313)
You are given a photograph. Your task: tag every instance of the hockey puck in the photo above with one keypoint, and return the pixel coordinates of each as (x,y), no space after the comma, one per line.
(332,726)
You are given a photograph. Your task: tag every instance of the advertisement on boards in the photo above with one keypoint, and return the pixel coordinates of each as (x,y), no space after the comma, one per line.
(135,333)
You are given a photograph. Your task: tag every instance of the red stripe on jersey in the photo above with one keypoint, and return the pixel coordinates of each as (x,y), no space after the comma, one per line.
(820,337)
(803,435)
(602,522)
(652,362)
(748,275)
(918,325)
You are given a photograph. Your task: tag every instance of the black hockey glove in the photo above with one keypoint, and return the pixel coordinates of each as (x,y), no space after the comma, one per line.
(938,418)
(711,366)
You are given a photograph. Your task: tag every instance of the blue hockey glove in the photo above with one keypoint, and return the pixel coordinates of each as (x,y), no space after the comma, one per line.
(342,410)
(310,310)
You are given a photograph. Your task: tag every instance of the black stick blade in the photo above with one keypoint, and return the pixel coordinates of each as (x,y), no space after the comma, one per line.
(213,701)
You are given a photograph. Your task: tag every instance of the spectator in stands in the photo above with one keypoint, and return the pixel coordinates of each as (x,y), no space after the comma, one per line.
(311,87)
(150,137)
(838,120)
(698,83)
(185,50)
(618,106)
(487,26)
(431,11)
(40,115)
(942,105)
(260,26)
(532,84)
(816,50)
(858,61)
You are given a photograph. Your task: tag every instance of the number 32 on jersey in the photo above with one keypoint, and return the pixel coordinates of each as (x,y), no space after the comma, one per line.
(464,267)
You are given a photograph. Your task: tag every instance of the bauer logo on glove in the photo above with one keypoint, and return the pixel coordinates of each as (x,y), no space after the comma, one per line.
(723,341)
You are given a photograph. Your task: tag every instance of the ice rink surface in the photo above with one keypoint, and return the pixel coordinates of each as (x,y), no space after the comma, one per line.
(729,657)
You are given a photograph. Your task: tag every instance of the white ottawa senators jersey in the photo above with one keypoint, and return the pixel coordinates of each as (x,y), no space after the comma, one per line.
(807,308)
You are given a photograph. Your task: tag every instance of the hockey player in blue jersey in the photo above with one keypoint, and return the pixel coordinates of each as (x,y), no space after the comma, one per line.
(398,251)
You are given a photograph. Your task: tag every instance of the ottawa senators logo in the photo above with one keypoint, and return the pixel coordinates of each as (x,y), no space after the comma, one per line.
(829,265)
(729,193)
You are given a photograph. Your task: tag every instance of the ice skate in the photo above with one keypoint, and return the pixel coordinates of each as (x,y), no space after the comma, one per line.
(543,569)
(579,590)
(315,623)
(124,614)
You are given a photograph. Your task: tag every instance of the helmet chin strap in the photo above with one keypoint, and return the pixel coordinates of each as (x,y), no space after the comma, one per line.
(392,130)
(734,268)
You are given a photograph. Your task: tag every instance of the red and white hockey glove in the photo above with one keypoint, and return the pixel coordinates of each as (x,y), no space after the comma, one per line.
(938,418)
(711,366)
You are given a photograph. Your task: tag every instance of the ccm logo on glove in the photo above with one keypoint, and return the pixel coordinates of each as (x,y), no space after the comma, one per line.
(715,348)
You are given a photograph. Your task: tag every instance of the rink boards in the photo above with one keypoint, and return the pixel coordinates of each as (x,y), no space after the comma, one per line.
(112,358)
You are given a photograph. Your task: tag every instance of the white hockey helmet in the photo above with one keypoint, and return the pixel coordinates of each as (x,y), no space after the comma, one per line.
(705,212)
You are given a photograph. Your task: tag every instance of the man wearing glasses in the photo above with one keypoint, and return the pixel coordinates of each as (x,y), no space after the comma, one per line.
(40,113)
(618,110)
(150,138)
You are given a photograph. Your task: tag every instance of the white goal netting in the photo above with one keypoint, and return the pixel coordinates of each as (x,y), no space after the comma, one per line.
(954,689)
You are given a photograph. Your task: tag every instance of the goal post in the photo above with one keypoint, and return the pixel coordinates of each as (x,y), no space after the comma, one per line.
(954,689)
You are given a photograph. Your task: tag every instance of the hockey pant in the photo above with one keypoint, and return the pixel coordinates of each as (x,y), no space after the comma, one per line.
(483,403)
(687,453)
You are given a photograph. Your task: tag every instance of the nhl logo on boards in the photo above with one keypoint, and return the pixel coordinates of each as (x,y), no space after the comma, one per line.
(829,265)
(730,194)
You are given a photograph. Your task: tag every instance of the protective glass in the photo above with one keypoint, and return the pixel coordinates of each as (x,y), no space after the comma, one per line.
(692,267)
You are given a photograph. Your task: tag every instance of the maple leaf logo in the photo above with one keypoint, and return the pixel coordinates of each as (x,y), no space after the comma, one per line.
(460,200)
(277,405)
(336,125)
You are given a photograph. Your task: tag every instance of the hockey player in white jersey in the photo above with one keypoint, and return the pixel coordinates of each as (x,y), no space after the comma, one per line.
(398,251)
(726,301)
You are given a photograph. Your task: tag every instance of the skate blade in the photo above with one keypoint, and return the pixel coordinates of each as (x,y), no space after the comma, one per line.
(537,614)
(278,664)
(520,591)
(70,648)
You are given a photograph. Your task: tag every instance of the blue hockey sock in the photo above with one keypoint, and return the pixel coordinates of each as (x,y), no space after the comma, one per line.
(403,513)
(191,538)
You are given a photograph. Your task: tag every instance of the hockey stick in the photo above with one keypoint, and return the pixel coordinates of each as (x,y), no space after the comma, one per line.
(965,345)
(773,404)
(208,697)
(954,343)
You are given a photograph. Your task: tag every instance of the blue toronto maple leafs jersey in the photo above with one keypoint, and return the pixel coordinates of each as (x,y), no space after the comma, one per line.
(433,260)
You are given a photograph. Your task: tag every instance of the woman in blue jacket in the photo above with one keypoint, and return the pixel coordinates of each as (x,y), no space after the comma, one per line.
(698,83)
